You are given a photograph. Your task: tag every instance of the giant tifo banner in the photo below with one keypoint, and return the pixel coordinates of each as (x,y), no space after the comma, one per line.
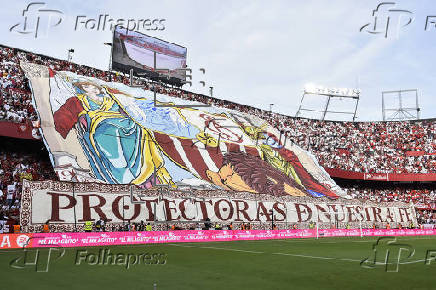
(97,131)
(68,205)
(40,240)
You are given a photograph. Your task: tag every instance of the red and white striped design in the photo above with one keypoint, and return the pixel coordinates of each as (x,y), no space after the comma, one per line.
(195,156)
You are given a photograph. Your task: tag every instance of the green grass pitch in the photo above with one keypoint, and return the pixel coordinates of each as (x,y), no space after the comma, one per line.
(326,263)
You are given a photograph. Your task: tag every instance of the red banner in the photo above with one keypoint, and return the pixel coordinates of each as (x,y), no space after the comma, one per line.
(415,153)
(14,241)
(376,176)
(130,238)
(17,130)
(419,153)
(339,173)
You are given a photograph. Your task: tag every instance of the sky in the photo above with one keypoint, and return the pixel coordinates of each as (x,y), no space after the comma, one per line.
(262,52)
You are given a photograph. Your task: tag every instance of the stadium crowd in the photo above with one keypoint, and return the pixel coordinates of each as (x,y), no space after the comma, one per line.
(18,162)
(426,217)
(27,159)
(422,194)
(369,147)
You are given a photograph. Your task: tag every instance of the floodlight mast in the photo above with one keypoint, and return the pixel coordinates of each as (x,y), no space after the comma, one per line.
(70,54)
(353,94)
(400,113)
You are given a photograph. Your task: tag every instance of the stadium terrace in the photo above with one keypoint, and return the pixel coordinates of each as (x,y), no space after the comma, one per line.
(322,138)
(132,167)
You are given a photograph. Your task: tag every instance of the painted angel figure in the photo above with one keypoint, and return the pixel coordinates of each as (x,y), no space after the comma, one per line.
(118,149)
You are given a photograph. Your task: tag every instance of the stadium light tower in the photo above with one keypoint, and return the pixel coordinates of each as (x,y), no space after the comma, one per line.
(70,55)
(110,56)
(270,107)
(330,93)
(401,113)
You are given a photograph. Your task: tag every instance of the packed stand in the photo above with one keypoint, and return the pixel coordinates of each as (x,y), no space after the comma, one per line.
(416,193)
(17,162)
(426,216)
(369,147)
